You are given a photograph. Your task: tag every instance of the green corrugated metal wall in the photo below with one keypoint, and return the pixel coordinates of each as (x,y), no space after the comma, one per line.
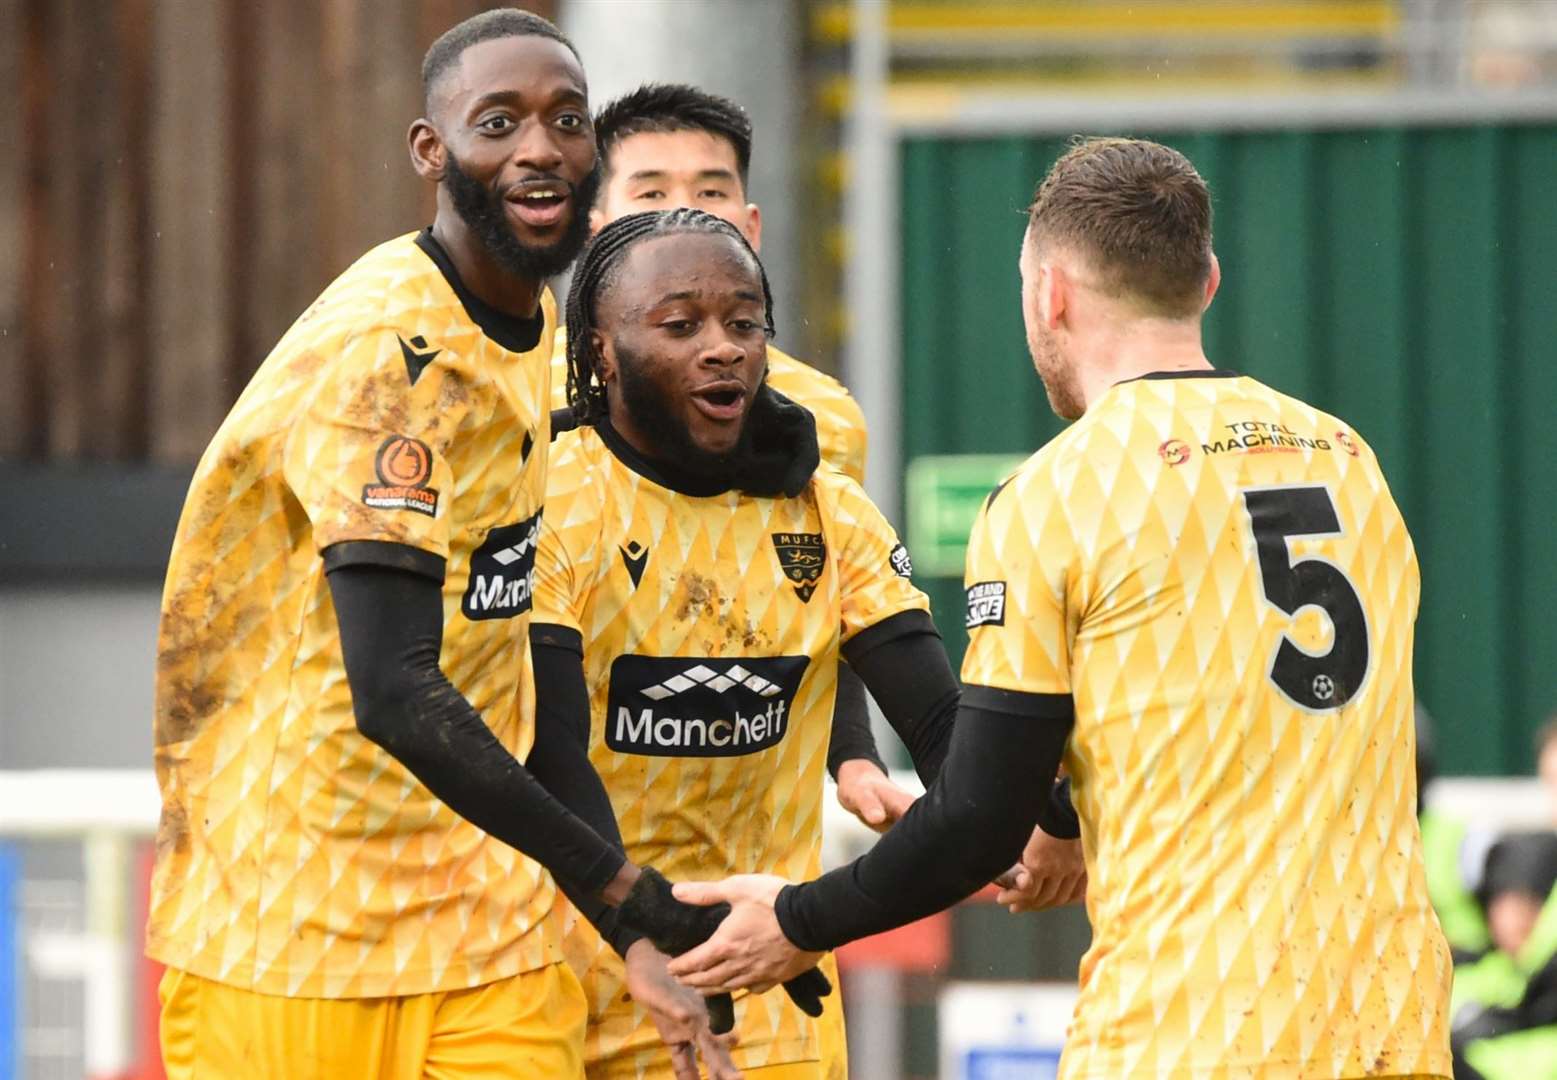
(1400,278)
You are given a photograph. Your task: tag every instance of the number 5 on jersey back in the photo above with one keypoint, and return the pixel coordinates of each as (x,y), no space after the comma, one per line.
(1325,682)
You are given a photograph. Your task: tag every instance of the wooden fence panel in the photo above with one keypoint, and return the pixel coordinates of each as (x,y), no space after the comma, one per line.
(13,376)
(189,174)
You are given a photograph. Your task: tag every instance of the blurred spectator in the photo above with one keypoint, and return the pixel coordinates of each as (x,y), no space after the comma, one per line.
(1520,874)
(1512,43)
(1546,764)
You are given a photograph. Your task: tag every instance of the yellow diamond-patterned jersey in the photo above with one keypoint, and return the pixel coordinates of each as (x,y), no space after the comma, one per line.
(840,423)
(1218,575)
(711,628)
(294,857)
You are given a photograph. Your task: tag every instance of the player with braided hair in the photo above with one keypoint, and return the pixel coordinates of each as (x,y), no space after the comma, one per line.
(601,260)
(699,578)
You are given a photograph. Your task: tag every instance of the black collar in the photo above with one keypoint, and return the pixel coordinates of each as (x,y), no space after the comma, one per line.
(782,458)
(664,473)
(1195,373)
(511,332)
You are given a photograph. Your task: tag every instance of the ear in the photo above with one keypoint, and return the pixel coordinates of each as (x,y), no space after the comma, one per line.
(753,229)
(605,356)
(597,219)
(1053,293)
(1213,282)
(427,150)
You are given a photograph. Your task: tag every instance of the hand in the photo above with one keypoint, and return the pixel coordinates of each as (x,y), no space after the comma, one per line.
(870,795)
(679,1015)
(674,927)
(749,950)
(1052,873)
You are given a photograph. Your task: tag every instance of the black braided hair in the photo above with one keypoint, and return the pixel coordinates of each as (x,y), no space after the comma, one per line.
(596,272)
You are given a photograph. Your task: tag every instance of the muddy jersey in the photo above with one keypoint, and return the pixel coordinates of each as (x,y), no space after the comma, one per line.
(710,628)
(294,856)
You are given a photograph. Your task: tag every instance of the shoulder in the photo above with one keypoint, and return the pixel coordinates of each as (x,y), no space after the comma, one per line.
(578,468)
(803,383)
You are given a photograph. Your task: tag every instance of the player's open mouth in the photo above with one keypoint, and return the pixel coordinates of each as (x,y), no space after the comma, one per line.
(723,401)
(539,204)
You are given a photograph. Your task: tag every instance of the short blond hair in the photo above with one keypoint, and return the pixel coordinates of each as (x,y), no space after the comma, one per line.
(1139,212)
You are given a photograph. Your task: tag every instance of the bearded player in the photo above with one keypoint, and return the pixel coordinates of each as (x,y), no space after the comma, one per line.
(669,145)
(698,581)
(343,691)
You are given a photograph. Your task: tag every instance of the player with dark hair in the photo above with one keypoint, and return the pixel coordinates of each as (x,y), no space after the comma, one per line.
(1203,596)
(666,145)
(698,581)
(344,694)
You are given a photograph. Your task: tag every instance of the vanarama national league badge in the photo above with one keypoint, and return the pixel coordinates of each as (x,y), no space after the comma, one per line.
(404,467)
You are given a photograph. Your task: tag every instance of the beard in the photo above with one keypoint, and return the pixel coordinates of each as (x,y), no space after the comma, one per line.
(482,211)
(1059,378)
(653,414)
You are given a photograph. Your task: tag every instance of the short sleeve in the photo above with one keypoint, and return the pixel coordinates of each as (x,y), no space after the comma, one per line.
(366,458)
(565,561)
(556,586)
(873,566)
(1017,631)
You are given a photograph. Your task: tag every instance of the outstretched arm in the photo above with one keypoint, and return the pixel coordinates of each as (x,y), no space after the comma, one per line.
(391,624)
(994,787)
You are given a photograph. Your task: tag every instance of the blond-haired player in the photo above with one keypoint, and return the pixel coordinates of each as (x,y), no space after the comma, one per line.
(1202,594)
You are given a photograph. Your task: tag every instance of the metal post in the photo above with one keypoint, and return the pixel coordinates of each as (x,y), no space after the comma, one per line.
(875,1019)
(871,359)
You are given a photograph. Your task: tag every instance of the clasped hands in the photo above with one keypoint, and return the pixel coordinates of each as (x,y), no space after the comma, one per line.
(724,936)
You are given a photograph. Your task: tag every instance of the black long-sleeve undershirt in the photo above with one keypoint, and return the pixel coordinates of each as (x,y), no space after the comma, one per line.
(560,760)
(902,661)
(851,738)
(390,609)
(996,783)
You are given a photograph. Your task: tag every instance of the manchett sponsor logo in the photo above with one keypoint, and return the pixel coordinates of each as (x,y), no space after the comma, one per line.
(502,572)
(690,707)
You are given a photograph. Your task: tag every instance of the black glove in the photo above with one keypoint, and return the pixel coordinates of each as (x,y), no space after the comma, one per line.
(674,927)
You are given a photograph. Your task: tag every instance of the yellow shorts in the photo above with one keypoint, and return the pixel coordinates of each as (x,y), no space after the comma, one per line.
(531,1025)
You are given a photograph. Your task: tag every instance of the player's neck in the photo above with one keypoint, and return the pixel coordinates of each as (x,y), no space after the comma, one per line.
(1135,349)
(482,274)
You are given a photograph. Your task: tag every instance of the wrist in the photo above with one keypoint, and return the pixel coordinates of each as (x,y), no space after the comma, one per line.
(859,769)
(618,887)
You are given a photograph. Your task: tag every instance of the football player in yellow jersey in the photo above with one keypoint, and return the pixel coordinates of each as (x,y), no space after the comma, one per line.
(698,580)
(1204,595)
(668,145)
(343,693)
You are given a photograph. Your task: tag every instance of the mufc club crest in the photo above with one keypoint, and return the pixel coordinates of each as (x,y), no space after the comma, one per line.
(802,556)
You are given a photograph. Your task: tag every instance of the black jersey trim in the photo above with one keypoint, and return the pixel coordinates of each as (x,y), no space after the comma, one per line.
(1196,373)
(1060,708)
(663,473)
(385,553)
(556,637)
(899,625)
(511,332)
